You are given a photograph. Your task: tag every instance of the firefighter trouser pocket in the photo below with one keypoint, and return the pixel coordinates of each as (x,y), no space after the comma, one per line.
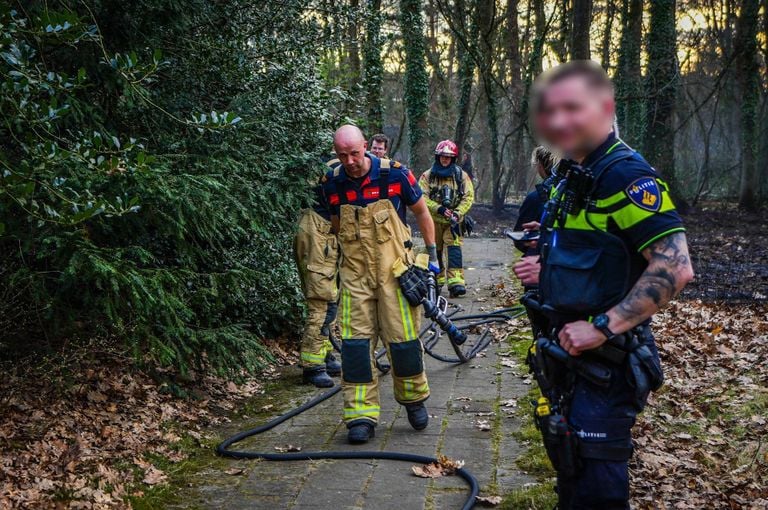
(407,358)
(356,360)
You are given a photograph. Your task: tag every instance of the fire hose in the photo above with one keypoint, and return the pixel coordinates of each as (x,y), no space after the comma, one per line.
(441,321)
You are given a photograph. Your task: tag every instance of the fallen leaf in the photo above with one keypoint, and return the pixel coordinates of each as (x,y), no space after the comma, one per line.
(483,425)
(154,476)
(287,448)
(235,471)
(488,500)
(443,467)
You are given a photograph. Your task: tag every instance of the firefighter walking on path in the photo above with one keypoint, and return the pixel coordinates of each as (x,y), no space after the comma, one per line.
(316,252)
(368,198)
(450,195)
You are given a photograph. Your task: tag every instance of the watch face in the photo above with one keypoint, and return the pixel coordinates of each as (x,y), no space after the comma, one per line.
(601,321)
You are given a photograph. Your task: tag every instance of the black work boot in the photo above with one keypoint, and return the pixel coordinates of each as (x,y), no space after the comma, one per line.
(417,415)
(318,377)
(360,431)
(332,366)
(457,290)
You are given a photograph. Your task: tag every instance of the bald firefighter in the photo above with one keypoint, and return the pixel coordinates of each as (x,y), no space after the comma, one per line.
(368,198)
(450,195)
(317,253)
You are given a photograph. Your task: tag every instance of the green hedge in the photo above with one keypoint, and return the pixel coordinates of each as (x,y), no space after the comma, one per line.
(154,156)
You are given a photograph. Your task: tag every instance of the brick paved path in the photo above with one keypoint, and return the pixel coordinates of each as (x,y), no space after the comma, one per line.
(461,397)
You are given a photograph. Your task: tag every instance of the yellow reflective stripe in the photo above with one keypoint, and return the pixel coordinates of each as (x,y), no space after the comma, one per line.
(360,391)
(363,412)
(631,214)
(408,392)
(346,314)
(310,357)
(610,149)
(456,279)
(660,236)
(406,317)
(580,222)
(613,199)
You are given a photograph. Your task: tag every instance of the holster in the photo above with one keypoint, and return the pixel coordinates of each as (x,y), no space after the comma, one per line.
(561,444)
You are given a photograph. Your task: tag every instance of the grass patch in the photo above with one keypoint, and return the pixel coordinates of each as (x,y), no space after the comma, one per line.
(534,460)
(200,455)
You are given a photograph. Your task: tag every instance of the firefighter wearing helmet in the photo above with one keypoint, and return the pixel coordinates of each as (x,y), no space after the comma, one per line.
(450,195)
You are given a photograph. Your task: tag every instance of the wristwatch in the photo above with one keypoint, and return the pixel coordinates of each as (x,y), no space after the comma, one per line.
(601,322)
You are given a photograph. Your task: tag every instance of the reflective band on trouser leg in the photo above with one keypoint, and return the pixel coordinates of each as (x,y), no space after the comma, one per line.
(406,316)
(399,324)
(313,341)
(360,405)
(346,314)
(455,264)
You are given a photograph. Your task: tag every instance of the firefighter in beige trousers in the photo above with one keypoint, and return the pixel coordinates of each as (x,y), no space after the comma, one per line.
(372,235)
(317,254)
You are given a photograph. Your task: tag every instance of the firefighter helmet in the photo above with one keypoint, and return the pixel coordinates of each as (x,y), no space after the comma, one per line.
(447,148)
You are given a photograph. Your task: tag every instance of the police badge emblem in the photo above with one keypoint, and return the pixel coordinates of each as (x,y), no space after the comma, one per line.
(645,193)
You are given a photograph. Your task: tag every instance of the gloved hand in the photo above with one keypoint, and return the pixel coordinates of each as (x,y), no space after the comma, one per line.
(434,265)
(413,284)
(447,213)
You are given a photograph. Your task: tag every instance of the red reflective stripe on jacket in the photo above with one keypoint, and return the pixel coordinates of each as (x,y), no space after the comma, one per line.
(411,178)
(351,195)
(334,199)
(372,193)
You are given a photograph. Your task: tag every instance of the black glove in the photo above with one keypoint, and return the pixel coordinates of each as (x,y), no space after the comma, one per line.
(413,284)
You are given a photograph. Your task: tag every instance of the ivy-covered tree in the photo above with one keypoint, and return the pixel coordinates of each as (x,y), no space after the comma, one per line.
(748,80)
(416,83)
(661,92)
(374,67)
(629,79)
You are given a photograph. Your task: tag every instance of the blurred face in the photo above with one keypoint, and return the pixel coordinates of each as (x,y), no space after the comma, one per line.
(351,153)
(445,160)
(379,149)
(574,117)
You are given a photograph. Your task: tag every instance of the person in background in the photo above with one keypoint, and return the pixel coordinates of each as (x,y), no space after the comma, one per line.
(379,146)
(532,207)
(450,196)
(316,254)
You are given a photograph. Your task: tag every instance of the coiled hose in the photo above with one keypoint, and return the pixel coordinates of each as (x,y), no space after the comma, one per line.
(432,334)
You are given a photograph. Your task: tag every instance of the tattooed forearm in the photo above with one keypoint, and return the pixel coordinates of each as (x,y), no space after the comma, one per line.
(669,270)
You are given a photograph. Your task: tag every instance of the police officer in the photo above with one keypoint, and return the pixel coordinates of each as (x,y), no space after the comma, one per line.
(316,253)
(613,251)
(531,209)
(368,198)
(450,195)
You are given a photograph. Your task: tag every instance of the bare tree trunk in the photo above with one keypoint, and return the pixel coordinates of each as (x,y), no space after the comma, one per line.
(661,90)
(629,80)
(748,82)
(541,24)
(374,71)
(605,49)
(416,83)
(466,71)
(582,19)
(564,30)
(486,13)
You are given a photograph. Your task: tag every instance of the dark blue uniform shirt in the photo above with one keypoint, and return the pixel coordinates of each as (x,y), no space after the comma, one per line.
(340,189)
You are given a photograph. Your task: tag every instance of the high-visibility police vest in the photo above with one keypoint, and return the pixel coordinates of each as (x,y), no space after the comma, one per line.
(585,270)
